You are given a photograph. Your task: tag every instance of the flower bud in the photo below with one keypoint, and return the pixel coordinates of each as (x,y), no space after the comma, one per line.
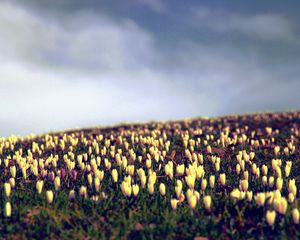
(97,184)
(13,171)
(260,199)
(135,189)
(180,169)
(264,180)
(12,182)
(280,205)
(83,191)
(8,209)
(223,179)
(162,189)
(295,214)
(57,183)
(39,186)
(150,187)
(244,185)
(207,202)
(203,184)
(72,195)
(114,175)
(49,196)
(192,201)
(7,189)
(212,181)
(174,203)
(270,216)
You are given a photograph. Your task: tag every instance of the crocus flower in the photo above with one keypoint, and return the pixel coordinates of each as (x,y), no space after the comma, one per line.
(212,181)
(114,175)
(162,189)
(72,195)
(192,201)
(49,196)
(174,203)
(7,189)
(8,209)
(223,179)
(260,199)
(207,202)
(135,189)
(270,216)
(39,186)
(57,183)
(295,214)
(280,205)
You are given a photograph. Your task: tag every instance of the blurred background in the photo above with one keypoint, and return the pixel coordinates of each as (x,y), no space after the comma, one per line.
(73,63)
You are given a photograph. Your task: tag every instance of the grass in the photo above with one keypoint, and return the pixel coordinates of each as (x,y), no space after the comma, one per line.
(107,213)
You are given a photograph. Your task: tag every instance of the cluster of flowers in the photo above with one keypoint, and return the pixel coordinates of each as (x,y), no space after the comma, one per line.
(185,162)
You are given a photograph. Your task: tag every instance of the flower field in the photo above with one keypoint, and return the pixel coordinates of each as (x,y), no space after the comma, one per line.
(229,177)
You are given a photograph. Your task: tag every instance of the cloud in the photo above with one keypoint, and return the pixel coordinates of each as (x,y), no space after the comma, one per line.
(58,76)
(264,26)
(85,68)
(86,41)
(155,5)
(38,101)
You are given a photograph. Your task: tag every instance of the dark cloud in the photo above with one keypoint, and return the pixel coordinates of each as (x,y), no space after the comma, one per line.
(68,63)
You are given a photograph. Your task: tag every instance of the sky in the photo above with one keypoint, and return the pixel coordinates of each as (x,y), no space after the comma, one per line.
(70,63)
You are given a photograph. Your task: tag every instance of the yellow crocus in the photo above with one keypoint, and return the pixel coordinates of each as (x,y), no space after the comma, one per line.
(71,195)
(212,181)
(223,179)
(280,205)
(270,216)
(13,171)
(57,182)
(126,189)
(150,187)
(49,196)
(190,181)
(97,184)
(264,180)
(162,189)
(238,169)
(207,202)
(174,203)
(276,150)
(203,184)
(83,191)
(114,175)
(260,199)
(8,209)
(7,189)
(208,149)
(135,189)
(12,182)
(90,179)
(295,214)
(192,201)
(244,185)
(249,196)
(291,197)
(143,180)
(264,170)
(279,183)
(39,186)
(180,169)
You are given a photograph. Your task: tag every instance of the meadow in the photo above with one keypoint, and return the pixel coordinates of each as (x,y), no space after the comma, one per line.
(232,177)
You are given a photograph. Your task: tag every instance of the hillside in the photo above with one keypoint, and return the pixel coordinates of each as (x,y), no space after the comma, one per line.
(227,177)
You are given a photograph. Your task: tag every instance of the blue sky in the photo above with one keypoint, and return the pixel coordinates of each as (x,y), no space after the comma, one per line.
(67,64)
